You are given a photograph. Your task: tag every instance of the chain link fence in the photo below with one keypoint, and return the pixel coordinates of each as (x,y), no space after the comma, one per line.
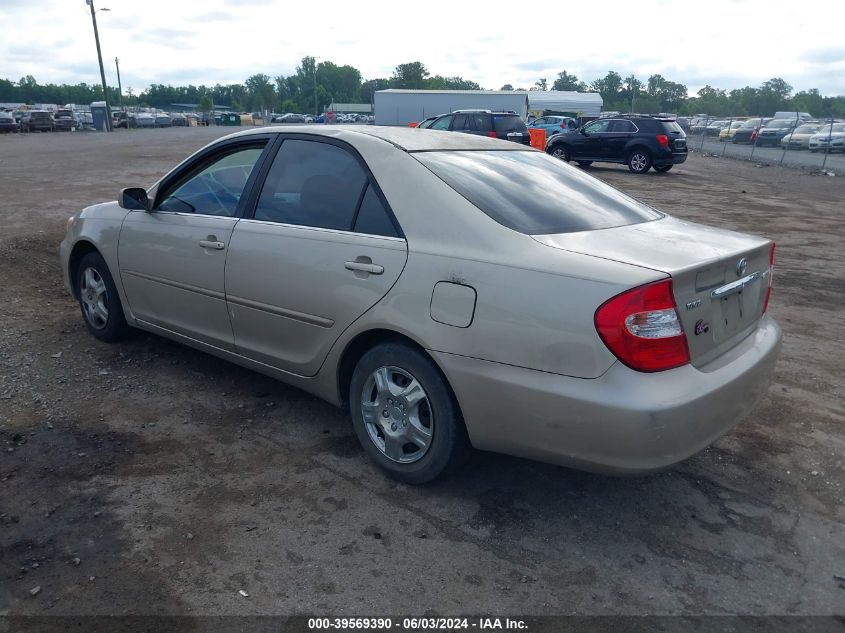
(817,145)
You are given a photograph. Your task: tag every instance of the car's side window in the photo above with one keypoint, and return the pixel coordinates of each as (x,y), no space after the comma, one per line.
(215,188)
(442,123)
(460,122)
(480,122)
(312,184)
(622,127)
(373,218)
(597,127)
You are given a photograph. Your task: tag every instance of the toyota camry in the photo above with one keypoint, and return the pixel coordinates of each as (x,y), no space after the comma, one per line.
(450,290)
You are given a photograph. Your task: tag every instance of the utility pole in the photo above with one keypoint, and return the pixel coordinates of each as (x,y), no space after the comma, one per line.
(90,3)
(315,87)
(119,87)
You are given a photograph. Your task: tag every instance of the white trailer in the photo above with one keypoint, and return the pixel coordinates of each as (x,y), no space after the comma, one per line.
(401,107)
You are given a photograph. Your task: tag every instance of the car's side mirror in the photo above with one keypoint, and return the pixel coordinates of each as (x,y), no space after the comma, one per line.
(134,199)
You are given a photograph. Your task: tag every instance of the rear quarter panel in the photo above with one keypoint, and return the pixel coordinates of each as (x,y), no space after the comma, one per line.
(535,305)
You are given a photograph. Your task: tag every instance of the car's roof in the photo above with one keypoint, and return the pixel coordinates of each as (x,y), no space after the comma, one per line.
(404,138)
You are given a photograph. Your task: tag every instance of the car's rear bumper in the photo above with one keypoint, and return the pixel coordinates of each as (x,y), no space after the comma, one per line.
(625,422)
(675,158)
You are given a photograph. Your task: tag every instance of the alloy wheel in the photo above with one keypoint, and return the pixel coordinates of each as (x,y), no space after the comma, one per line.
(397,414)
(639,162)
(94,298)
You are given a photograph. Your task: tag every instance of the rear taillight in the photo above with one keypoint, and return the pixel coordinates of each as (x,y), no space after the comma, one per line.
(492,135)
(771,276)
(642,328)
(663,140)
(563,126)
(754,136)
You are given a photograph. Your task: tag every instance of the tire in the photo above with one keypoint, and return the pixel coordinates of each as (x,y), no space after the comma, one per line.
(414,439)
(663,169)
(639,160)
(585,163)
(560,151)
(99,302)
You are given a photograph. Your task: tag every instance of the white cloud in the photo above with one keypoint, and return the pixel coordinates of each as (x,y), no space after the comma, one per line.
(726,43)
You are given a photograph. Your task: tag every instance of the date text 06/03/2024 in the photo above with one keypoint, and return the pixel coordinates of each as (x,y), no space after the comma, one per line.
(418,624)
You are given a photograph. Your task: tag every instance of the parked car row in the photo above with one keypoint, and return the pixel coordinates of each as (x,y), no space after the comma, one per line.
(332,117)
(789,130)
(33,121)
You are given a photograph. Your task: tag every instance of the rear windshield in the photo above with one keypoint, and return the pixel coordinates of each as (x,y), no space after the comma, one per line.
(778,124)
(503,123)
(533,193)
(672,127)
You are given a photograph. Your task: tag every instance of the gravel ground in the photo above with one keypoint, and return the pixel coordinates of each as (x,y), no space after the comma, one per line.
(148,478)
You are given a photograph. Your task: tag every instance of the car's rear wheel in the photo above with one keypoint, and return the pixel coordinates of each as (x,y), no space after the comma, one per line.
(405,414)
(663,169)
(639,161)
(98,299)
(560,152)
(585,163)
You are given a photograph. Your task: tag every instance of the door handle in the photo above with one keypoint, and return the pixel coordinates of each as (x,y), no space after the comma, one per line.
(364,267)
(217,246)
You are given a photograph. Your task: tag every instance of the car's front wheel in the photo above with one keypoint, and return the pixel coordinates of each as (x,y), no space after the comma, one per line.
(639,161)
(405,414)
(560,152)
(98,299)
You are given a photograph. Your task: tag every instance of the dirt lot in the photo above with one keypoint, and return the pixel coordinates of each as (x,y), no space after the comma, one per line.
(145,477)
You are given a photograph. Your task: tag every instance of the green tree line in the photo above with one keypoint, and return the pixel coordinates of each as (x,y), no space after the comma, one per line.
(315,85)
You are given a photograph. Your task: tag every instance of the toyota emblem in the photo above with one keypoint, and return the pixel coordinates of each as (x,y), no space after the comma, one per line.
(741,267)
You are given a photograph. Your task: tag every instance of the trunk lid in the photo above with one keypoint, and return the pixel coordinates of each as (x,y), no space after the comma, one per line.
(719,277)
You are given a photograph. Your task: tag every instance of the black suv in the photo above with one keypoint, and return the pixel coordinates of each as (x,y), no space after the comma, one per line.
(505,125)
(37,121)
(640,141)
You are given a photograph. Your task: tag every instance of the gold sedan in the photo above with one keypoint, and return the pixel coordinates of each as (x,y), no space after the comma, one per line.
(728,132)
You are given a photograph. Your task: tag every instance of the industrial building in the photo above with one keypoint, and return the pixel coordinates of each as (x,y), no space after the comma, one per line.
(401,107)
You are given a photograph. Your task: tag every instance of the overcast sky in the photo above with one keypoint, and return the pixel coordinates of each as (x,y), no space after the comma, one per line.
(724,43)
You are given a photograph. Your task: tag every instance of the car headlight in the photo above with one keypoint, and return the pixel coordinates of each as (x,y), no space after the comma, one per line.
(70,222)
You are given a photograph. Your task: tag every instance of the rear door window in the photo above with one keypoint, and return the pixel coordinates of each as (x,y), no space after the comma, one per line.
(480,122)
(533,193)
(621,127)
(312,184)
(460,122)
(373,218)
